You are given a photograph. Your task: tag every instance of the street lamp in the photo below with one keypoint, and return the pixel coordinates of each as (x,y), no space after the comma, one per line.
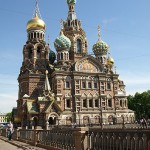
(79,115)
(101,116)
(123,123)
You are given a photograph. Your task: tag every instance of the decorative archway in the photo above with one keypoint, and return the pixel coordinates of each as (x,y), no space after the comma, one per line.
(53,118)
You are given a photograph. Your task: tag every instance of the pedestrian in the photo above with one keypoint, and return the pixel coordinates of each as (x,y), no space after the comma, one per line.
(10,130)
(144,123)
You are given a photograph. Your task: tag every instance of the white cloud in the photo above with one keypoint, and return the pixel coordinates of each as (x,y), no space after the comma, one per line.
(108,21)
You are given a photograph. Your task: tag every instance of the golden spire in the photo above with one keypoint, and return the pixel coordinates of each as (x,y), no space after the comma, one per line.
(99,33)
(36,11)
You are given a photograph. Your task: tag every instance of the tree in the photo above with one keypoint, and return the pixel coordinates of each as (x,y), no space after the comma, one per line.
(140,103)
(9,116)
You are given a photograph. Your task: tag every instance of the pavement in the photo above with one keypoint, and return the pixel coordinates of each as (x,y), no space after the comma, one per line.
(15,145)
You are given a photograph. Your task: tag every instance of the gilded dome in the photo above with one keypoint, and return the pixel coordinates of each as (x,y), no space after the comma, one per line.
(110,61)
(100,47)
(35,23)
(62,42)
(71,2)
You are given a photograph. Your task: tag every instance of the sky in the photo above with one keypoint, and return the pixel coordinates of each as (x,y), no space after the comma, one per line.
(125,27)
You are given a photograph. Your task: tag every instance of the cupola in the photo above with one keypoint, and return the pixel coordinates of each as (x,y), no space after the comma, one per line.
(62,42)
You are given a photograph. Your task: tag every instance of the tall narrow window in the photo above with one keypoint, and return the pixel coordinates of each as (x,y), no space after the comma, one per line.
(121,103)
(89,85)
(95,85)
(109,103)
(68,103)
(108,86)
(78,46)
(83,85)
(96,103)
(84,103)
(38,53)
(67,84)
(90,103)
(61,56)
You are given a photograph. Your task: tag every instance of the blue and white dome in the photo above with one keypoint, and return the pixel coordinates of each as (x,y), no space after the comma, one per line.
(62,42)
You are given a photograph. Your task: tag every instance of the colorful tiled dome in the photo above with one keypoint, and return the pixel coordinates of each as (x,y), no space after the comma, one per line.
(62,42)
(52,56)
(100,47)
(71,2)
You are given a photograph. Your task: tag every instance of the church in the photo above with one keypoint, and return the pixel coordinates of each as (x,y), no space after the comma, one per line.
(69,86)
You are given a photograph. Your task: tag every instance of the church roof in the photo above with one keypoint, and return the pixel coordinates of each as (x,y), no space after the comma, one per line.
(32,107)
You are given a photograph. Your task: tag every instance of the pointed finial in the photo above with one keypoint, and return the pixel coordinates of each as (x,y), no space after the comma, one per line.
(61,24)
(48,40)
(99,33)
(47,85)
(36,12)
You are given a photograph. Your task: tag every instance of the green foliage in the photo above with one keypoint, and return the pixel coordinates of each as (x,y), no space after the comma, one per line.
(9,116)
(140,103)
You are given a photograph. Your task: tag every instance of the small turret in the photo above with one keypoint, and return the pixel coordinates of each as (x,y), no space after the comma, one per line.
(100,49)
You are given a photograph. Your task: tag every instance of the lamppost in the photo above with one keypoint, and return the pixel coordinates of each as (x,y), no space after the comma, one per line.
(123,123)
(101,116)
(79,115)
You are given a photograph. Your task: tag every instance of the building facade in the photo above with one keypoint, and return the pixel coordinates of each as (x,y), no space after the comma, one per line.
(3,118)
(76,87)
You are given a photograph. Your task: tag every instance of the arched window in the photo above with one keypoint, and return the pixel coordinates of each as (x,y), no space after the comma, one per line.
(31,35)
(109,102)
(34,34)
(61,56)
(38,53)
(78,46)
(69,23)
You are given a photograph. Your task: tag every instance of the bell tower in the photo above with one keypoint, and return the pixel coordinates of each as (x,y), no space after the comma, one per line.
(35,57)
(73,30)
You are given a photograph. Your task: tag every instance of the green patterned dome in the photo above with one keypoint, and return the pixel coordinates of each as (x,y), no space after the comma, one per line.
(71,2)
(62,42)
(100,47)
(52,56)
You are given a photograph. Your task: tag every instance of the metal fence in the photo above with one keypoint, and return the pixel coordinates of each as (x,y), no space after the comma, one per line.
(84,138)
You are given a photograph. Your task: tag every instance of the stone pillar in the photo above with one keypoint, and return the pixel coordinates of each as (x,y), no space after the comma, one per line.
(80,138)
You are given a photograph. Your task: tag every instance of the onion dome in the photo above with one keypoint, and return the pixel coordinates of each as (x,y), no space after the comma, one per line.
(100,47)
(71,2)
(36,23)
(62,42)
(52,56)
(110,61)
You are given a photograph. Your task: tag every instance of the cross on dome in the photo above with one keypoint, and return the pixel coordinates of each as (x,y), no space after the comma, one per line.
(36,11)
(99,33)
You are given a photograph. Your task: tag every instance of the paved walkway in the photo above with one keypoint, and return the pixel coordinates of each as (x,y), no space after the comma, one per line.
(15,145)
(7,146)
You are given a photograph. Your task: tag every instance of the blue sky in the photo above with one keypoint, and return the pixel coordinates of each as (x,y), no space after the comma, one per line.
(125,27)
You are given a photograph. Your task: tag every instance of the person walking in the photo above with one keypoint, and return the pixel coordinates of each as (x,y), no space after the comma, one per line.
(10,130)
